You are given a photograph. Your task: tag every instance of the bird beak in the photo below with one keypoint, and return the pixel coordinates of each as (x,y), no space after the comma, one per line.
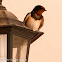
(45,10)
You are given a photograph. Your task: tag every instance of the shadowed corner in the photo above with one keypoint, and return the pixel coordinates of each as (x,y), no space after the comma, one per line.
(0,1)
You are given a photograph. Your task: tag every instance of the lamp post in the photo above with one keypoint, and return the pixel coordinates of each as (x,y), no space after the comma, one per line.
(15,38)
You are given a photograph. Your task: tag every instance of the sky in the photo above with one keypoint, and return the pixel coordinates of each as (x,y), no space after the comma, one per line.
(47,48)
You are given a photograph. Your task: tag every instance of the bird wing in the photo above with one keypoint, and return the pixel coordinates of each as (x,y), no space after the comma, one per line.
(26,17)
(42,22)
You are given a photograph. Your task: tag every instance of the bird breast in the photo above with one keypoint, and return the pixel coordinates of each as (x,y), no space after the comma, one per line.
(33,24)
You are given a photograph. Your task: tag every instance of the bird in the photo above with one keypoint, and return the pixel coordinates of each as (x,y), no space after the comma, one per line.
(34,19)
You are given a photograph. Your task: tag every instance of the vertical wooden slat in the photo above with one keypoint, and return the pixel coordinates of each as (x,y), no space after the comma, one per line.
(28,48)
(9,46)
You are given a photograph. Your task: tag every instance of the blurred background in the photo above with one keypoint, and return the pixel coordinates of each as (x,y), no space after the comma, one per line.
(48,48)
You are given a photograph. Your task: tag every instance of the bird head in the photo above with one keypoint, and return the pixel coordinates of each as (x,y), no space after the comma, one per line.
(39,9)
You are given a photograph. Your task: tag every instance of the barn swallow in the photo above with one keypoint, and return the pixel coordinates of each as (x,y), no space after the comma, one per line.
(34,20)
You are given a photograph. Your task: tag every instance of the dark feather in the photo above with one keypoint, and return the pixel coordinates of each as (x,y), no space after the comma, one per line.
(24,19)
